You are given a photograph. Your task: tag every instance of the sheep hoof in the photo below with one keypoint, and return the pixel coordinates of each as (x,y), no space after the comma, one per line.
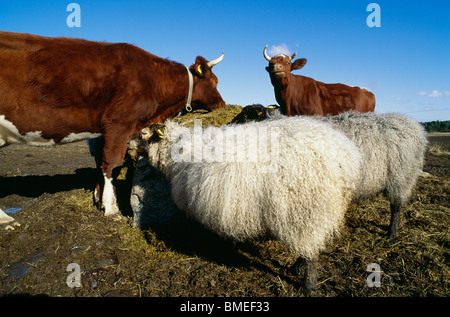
(310,287)
(392,235)
(310,280)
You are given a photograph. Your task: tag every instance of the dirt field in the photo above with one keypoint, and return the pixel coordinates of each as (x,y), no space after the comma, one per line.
(59,226)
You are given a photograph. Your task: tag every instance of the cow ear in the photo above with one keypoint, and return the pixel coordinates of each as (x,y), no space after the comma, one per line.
(201,68)
(298,63)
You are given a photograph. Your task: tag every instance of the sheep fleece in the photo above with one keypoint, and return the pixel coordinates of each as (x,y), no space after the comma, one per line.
(301,202)
(393,150)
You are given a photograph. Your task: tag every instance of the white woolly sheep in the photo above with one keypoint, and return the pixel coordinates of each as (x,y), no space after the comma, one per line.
(291,179)
(393,147)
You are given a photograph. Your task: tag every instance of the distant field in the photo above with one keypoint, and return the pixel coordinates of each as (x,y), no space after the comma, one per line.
(440,141)
(433,134)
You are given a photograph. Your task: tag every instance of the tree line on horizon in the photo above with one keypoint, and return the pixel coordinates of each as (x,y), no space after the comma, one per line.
(437,126)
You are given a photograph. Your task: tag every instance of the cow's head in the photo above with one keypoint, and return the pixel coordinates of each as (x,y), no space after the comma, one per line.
(280,67)
(205,93)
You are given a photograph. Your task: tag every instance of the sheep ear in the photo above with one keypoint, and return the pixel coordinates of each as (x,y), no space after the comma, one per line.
(258,112)
(145,134)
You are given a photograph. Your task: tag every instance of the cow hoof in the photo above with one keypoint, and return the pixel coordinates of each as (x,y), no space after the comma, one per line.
(114,216)
(111,211)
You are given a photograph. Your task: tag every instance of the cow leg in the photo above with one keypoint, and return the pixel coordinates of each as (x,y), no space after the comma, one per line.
(113,155)
(395,220)
(109,202)
(96,149)
(97,194)
(7,221)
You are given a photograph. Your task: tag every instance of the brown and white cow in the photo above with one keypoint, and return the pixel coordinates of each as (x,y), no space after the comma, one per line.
(300,95)
(60,90)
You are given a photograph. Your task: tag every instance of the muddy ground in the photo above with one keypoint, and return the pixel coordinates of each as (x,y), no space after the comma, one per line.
(59,225)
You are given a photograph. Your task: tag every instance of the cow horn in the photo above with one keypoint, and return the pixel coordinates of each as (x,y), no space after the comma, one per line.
(265,54)
(216,61)
(293,55)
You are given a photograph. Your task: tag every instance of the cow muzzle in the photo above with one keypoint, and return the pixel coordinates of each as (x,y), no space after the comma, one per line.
(279,75)
(277,71)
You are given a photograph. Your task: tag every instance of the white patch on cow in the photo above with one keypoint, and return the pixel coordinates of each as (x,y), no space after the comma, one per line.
(74,137)
(36,139)
(109,198)
(10,134)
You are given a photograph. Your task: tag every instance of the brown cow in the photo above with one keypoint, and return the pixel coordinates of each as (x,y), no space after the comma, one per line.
(300,95)
(60,90)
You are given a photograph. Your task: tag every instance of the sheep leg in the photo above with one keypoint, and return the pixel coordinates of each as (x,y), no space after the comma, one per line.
(311,276)
(309,268)
(395,220)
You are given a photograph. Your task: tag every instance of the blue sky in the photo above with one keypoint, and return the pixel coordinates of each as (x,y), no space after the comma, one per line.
(405,62)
